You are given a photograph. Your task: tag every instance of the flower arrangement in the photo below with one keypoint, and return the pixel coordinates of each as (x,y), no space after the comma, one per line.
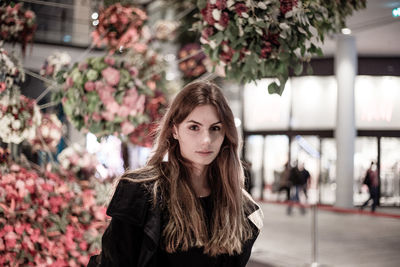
(257,39)
(144,134)
(11,71)
(107,95)
(48,133)
(120,26)
(19,117)
(54,63)
(17,24)
(48,221)
(77,160)
(193,65)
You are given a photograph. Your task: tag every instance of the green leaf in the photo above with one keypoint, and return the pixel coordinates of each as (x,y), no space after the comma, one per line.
(273,88)
(235,57)
(298,68)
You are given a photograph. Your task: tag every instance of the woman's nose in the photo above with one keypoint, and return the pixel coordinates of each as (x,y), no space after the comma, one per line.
(206,137)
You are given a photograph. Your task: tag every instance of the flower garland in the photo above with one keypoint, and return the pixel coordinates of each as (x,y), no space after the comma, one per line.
(17,24)
(194,65)
(46,220)
(48,133)
(258,39)
(119,27)
(11,71)
(107,95)
(54,63)
(19,117)
(77,160)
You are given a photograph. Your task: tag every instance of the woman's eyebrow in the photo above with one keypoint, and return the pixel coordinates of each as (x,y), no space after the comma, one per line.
(196,122)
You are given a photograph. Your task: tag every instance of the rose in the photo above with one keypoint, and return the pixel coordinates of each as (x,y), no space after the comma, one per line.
(111,76)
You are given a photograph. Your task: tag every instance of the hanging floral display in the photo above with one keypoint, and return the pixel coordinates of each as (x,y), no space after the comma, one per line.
(11,72)
(46,220)
(19,117)
(48,133)
(192,64)
(77,160)
(17,25)
(144,134)
(108,95)
(258,39)
(54,63)
(119,26)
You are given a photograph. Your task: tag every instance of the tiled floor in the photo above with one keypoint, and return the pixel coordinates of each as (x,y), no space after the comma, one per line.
(343,239)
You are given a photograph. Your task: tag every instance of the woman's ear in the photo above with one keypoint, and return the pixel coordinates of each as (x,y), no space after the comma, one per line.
(175,132)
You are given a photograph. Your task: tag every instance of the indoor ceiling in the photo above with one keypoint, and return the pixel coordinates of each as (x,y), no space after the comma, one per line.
(375,30)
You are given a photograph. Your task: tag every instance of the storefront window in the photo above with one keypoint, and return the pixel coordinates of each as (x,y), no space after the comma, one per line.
(390,171)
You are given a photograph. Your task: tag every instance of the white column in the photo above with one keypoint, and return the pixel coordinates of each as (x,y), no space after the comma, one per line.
(345,70)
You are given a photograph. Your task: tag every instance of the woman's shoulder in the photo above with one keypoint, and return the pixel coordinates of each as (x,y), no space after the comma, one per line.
(132,196)
(252,210)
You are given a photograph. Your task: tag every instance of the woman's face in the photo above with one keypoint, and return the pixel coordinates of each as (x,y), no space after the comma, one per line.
(200,136)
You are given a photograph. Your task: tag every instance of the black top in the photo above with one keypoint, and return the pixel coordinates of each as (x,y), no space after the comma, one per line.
(194,257)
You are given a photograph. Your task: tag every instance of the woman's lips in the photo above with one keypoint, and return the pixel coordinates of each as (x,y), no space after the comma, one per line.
(204,153)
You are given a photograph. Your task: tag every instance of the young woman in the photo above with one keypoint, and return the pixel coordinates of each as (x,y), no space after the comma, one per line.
(187,207)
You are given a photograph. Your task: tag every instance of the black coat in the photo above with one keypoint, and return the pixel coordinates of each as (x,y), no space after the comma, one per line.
(133,235)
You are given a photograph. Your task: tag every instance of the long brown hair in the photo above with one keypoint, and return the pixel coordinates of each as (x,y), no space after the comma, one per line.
(185,227)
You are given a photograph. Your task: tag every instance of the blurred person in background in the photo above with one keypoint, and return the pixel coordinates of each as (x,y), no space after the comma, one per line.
(187,206)
(284,182)
(305,179)
(296,186)
(371,180)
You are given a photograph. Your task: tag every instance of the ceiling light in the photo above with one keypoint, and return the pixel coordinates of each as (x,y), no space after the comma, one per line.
(346,31)
(396,12)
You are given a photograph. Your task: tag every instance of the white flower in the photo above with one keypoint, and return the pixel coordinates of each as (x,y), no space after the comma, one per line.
(216,14)
(262,5)
(16,125)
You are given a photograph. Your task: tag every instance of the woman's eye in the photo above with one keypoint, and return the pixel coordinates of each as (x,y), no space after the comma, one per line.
(193,127)
(216,128)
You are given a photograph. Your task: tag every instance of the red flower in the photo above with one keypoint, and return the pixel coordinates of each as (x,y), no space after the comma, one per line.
(2,87)
(221,4)
(224,19)
(240,8)
(227,52)
(207,13)
(287,5)
(207,32)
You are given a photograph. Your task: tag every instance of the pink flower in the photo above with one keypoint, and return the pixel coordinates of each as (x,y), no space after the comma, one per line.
(109,60)
(11,240)
(70,82)
(112,107)
(111,76)
(83,245)
(96,116)
(133,71)
(123,111)
(29,14)
(151,84)
(108,116)
(127,127)
(140,48)
(89,86)
(83,66)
